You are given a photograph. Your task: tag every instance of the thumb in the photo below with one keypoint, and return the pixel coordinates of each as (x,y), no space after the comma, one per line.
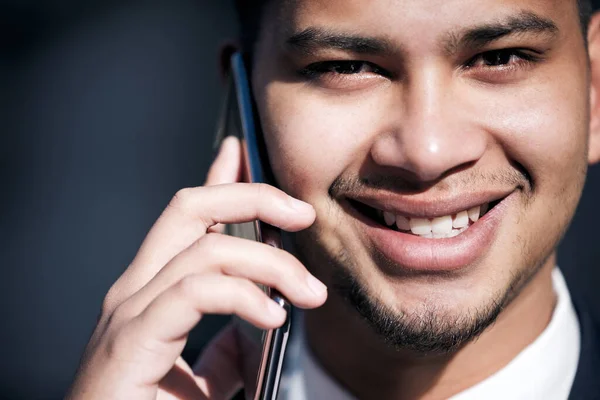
(227,167)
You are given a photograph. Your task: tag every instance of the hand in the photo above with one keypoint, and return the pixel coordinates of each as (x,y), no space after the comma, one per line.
(184,269)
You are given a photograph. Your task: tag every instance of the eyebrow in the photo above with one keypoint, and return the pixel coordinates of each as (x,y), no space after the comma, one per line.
(314,38)
(481,36)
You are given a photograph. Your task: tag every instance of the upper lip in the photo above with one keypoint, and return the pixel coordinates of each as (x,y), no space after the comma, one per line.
(422,206)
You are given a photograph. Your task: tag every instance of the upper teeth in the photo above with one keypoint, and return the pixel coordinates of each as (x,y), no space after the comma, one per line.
(439,227)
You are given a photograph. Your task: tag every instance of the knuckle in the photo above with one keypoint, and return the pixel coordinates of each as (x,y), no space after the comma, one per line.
(122,313)
(188,203)
(208,246)
(182,200)
(110,301)
(119,342)
(297,269)
(276,277)
(293,268)
(209,241)
(262,189)
(107,307)
(188,286)
(237,294)
(248,294)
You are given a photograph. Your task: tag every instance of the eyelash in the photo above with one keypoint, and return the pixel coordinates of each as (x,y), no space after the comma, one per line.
(504,55)
(495,59)
(341,67)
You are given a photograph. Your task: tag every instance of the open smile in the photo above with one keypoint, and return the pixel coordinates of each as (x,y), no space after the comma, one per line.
(439,227)
(432,236)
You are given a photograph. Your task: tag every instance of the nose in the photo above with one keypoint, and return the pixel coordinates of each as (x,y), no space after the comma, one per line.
(430,131)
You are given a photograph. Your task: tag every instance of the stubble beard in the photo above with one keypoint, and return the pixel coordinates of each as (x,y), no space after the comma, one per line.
(425,329)
(428,330)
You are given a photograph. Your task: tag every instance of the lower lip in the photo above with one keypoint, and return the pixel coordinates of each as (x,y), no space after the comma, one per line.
(415,253)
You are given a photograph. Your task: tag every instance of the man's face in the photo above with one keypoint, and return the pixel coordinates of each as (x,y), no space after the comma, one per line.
(430,111)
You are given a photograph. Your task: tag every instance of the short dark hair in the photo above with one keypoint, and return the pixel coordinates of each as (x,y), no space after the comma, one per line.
(250,14)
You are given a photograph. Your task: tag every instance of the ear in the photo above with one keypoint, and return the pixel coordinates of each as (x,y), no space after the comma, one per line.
(594,53)
(225,53)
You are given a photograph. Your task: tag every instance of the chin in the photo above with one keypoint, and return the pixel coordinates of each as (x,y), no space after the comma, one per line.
(423,319)
(428,313)
(424,311)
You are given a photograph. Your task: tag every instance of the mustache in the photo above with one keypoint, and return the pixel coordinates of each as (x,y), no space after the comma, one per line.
(513,178)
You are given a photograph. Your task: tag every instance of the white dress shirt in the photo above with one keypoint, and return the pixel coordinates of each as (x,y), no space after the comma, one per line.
(544,370)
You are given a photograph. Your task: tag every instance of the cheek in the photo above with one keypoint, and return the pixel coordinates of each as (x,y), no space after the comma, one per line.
(312,141)
(543,127)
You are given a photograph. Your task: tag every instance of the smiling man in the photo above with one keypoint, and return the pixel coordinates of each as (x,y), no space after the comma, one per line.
(443,148)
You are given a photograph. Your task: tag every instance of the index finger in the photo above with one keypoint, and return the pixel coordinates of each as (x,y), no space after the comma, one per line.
(193,211)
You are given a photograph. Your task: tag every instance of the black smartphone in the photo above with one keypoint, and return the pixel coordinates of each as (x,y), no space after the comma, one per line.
(238,118)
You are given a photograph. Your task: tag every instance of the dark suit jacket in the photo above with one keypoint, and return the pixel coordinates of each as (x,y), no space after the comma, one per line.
(587,379)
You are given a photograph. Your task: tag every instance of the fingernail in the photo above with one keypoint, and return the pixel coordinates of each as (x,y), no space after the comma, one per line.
(299,205)
(315,285)
(275,309)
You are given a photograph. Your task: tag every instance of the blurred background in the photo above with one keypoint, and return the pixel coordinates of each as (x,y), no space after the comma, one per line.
(107,108)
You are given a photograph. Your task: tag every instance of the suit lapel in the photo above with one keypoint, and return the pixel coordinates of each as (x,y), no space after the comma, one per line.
(587,379)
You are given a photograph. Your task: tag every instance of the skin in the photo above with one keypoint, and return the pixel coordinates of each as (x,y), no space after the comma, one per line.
(432,128)
(438,128)
(184,269)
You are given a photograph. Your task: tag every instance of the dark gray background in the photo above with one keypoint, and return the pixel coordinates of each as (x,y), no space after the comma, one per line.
(107,108)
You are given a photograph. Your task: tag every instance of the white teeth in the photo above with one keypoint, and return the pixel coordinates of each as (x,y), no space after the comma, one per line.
(474,213)
(451,234)
(420,226)
(403,223)
(436,228)
(461,220)
(442,225)
(389,218)
(455,232)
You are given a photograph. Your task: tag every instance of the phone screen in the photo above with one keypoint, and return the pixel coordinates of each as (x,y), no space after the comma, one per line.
(238,119)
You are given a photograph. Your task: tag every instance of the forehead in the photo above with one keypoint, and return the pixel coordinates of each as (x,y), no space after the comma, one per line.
(410,20)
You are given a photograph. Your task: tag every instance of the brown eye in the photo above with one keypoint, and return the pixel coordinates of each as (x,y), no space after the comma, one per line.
(342,67)
(501,58)
(349,67)
(495,58)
